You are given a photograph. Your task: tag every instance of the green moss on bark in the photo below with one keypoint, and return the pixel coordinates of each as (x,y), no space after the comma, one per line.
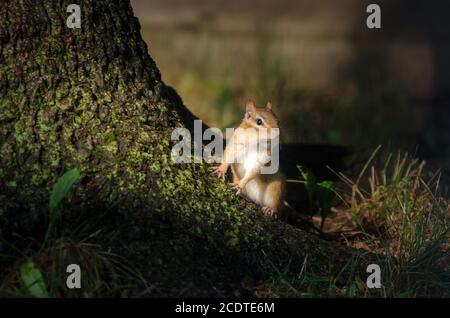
(93,99)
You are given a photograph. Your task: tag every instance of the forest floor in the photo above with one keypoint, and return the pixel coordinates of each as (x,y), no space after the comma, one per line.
(393,207)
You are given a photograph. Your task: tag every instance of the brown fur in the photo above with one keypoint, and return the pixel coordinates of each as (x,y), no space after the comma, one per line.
(273,185)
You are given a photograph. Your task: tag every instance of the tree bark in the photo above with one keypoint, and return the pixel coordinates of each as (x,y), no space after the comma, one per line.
(92,98)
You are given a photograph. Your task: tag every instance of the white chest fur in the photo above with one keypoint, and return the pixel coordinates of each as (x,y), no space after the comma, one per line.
(251,155)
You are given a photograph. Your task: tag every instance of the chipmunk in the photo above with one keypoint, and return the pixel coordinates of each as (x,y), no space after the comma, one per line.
(257,127)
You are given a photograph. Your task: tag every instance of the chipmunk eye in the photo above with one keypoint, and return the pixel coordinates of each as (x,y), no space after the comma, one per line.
(259,122)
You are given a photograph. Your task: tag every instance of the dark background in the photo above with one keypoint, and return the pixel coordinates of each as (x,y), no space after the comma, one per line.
(331,79)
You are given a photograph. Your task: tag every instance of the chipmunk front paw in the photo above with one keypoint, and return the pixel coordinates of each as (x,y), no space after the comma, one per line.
(237,187)
(218,172)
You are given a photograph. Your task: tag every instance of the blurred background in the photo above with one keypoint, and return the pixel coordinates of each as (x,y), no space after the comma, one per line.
(331,79)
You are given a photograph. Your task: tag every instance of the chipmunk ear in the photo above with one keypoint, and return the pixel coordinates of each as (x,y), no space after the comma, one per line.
(250,106)
(269,106)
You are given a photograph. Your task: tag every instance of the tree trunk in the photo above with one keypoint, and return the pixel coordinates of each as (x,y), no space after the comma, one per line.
(92,98)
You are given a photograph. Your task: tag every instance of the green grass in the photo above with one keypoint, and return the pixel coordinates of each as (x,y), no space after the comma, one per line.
(400,213)
(308,284)
(397,207)
(103,274)
(39,270)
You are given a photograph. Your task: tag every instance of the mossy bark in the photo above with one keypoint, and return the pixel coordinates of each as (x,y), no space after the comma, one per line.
(92,98)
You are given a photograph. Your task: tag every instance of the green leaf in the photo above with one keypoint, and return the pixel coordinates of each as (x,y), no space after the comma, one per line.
(328,185)
(60,189)
(32,278)
(310,184)
(325,196)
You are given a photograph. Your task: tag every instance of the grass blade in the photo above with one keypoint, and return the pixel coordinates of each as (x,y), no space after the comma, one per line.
(372,156)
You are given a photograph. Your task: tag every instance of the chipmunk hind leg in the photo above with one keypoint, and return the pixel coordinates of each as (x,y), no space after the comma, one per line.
(234,173)
(274,195)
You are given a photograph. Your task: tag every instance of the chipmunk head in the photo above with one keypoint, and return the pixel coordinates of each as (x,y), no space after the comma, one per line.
(261,118)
